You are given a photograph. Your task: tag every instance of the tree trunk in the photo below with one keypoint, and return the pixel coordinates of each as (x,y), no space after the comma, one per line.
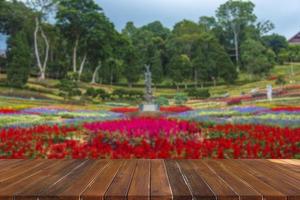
(111,78)
(185,86)
(177,87)
(95,73)
(214,81)
(196,78)
(235,29)
(36,50)
(43,76)
(75,56)
(81,67)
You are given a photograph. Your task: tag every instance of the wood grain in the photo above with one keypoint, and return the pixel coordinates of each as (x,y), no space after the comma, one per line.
(149,179)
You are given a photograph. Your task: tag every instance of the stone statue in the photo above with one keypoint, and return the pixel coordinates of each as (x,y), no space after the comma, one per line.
(269,92)
(148,84)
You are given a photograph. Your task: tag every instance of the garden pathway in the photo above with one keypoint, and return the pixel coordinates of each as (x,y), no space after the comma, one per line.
(150,179)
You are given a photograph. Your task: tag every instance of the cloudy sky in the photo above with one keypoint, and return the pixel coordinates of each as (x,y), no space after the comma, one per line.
(285,14)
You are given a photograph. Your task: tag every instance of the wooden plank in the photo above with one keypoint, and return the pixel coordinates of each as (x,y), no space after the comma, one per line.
(198,186)
(140,184)
(53,175)
(121,183)
(72,185)
(268,192)
(272,171)
(68,177)
(39,173)
(243,189)
(84,180)
(293,162)
(102,182)
(270,177)
(282,169)
(220,188)
(16,168)
(160,187)
(179,187)
(286,164)
(6,164)
(23,173)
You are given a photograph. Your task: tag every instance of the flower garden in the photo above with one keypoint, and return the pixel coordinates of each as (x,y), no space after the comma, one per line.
(180,132)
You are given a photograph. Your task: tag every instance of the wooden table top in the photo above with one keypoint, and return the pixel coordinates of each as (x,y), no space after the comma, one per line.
(150,179)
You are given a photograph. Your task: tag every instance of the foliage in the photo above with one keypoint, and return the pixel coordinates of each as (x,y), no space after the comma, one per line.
(198,92)
(19,60)
(68,86)
(128,94)
(275,42)
(180,68)
(91,92)
(162,101)
(180,98)
(258,60)
(280,80)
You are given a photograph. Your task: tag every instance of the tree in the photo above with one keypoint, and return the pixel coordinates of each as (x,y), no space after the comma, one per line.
(77,19)
(41,8)
(275,42)
(156,68)
(257,58)
(234,16)
(68,86)
(19,60)
(210,61)
(180,69)
(208,23)
(14,17)
(157,29)
(132,66)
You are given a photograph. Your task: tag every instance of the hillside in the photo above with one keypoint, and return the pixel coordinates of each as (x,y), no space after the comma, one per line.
(47,92)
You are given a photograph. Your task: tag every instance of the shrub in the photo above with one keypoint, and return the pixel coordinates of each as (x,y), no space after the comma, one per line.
(162,101)
(91,92)
(280,80)
(128,94)
(102,94)
(180,98)
(68,87)
(198,93)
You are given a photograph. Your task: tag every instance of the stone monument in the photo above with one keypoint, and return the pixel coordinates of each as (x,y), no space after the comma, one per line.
(149,105)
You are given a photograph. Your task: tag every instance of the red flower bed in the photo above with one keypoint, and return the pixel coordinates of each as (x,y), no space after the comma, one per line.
(124,110)
(287,108)
(8,111)
(175,109)
(150,138)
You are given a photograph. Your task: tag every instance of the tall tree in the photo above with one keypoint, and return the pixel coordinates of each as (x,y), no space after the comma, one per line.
(257,58)
(275,42)
(210,61)
(42,9)
(132,65)
(77,18)
(180,69)
(19,60)
(234,16)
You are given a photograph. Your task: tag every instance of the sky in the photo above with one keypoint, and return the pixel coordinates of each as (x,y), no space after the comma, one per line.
(285,14)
